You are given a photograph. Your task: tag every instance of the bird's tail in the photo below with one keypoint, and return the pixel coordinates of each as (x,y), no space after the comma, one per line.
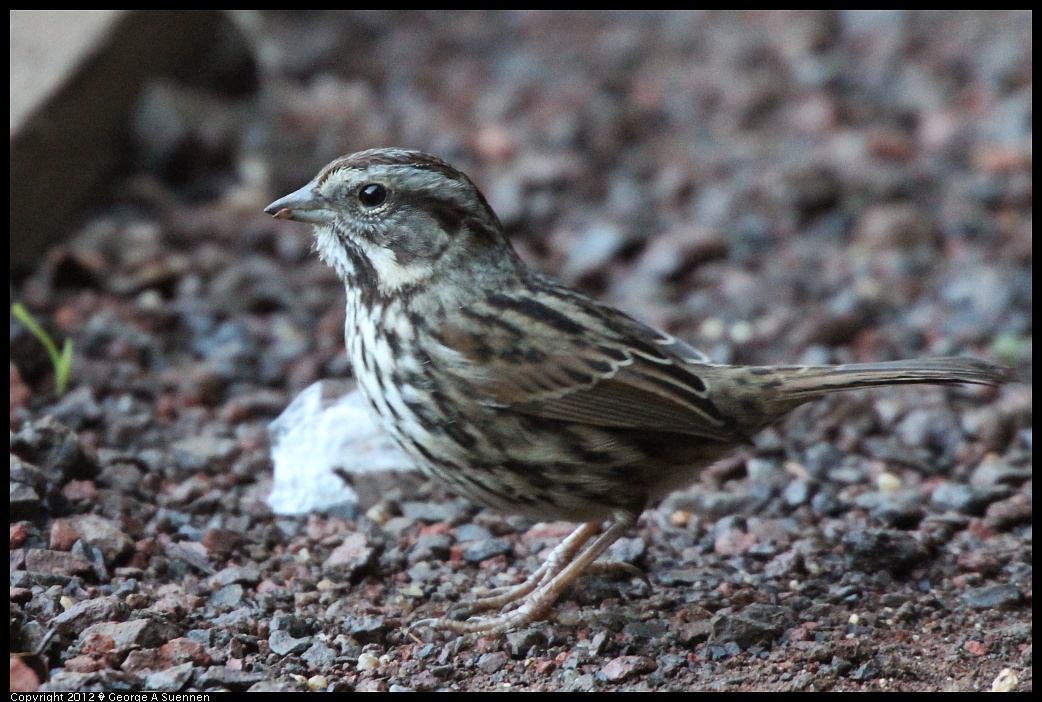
(794,385)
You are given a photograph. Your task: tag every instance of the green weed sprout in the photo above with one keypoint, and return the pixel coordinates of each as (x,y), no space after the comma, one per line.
(62,360)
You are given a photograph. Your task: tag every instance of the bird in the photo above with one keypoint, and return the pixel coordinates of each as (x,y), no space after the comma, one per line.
(522,394)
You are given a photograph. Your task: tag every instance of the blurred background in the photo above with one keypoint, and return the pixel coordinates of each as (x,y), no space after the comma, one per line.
(773,187)
(742,178)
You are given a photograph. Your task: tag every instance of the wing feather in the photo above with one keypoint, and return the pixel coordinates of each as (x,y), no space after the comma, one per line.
(608,371)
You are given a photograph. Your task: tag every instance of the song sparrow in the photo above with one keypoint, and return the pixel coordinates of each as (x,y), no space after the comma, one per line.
(522,394)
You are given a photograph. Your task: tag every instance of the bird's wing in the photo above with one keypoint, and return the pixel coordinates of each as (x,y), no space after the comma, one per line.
(556,354)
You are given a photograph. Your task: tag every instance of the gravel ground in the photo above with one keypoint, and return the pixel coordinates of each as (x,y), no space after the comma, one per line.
(772,187)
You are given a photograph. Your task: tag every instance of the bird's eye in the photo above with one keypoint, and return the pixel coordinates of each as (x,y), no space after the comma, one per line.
(372,194)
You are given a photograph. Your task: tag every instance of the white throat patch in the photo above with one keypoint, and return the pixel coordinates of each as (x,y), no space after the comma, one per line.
(394,277)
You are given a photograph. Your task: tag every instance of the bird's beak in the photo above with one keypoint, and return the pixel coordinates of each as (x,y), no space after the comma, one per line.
(304,205)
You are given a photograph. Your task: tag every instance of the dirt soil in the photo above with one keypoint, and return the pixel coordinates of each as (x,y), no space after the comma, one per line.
(772,187)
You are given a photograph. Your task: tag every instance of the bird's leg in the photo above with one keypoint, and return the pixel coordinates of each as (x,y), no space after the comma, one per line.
(618,570)
(550,584)
(560,557)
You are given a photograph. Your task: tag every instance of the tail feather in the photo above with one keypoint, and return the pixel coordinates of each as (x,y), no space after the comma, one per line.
(795,385)
(813,381)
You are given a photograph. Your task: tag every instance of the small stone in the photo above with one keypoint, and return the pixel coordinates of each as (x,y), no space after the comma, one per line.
(1008,514)
(627,550)
(259,404)
(317,683)
(77,408)
(319,656)
(62,536)
(783,564)
(246,575)
(185,650)
(432,512)
(654,629)
(221,676)
(22,677)
(21,595)
(25,501)
(756,624)
(239,621)
(796,493)
(204,453)
(62,681)
(54,449)
(88,612)
(868,671)
(284,645)
(221,542)
(521,642)
(170,680)
(696,632)
(26,473)
(366,662)
(351,558)
(625,667)
(1006,681)
(40,560)
(733,541)
(366,630)
(137,633)
(493,661)
(422,572)
(104,535)
(228,596)
(994,597)
(487,548)
(428,547)
(896,226)
(884,549)
(468,533)
(993,471)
